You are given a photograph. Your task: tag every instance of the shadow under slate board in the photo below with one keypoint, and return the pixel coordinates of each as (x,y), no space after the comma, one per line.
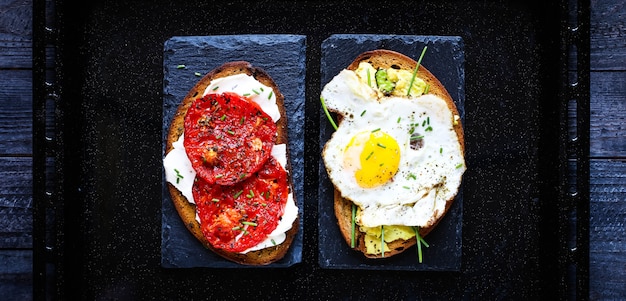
(283,57)
(445,59)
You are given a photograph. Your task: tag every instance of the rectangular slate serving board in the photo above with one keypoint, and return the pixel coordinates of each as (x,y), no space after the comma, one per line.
(282,56)
(445,59)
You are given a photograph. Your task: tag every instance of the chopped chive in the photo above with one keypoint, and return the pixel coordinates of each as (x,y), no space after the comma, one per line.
(236,228)
(441,150)
(246,94)
(177,180)
(428,120)
(406,187)
(242,120)
(426,89)
(375,130)
(429,128)
(197,74)
(328,113)
(424,123)
(363,113)
(352,239)
(369,156)
(273,241)
(399,118)
(249,223)
(413,138)
(270,95)
(255,92)
(230,132)
(181,66)
(236,195)
(223,117)
(261,88)
(459,165)
(382,240)
(216,87)
(381,145)
(218,176)
(419,61)
(412,176)
(243,175)
(419,243)
(369,78)
(250,195)
(215,200)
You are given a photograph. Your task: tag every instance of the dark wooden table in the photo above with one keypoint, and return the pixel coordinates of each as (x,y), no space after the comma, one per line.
(607,248)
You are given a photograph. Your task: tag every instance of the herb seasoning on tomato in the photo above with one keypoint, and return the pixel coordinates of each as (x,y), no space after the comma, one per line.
(227,137)
(238,217)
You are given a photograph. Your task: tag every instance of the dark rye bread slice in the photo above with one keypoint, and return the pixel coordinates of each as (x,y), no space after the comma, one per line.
(187,210)
(343,208)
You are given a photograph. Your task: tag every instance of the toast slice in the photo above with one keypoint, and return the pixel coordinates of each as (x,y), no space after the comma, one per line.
(187,210)
(381,58)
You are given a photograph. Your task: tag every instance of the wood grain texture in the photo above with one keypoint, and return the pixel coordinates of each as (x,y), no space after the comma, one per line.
(607,247)
(608,35)
(16,274)
(608,114)
(16,214)
(17,112)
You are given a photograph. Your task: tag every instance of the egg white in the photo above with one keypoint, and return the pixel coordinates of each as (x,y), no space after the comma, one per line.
(427,176)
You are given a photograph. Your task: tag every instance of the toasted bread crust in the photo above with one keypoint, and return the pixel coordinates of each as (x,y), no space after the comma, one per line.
(187,210)
(382,58)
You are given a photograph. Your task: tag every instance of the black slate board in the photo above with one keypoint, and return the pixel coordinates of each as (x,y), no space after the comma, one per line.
(445,59)
(282,56)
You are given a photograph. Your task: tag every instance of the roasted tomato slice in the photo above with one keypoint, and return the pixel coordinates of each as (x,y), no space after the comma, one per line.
(238,217)
(227,137)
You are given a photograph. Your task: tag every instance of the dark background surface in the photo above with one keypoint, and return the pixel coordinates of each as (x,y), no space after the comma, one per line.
(116,62)
(125,65)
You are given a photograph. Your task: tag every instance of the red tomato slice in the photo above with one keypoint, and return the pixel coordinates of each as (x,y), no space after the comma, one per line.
(238,217)
(227,138)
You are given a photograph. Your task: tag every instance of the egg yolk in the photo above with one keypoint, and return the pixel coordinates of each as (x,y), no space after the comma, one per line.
(373,156)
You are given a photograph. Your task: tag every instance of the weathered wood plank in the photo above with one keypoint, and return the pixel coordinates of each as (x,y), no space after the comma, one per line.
(608,35)
(607,247)
(16,113)
(16,34)
(608,114)
(16,215)
(16,274)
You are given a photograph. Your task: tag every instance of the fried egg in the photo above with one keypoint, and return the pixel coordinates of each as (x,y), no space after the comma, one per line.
(396,157)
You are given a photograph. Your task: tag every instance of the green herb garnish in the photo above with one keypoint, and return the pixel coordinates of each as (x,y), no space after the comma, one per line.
(369,156)
(382,240)
(352,239)
(249,223)
(420,241)
(332,122)
(270,95)
(381,145)
(238,194)
(181,66)
(197,74)
(419,61)
(375,130)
